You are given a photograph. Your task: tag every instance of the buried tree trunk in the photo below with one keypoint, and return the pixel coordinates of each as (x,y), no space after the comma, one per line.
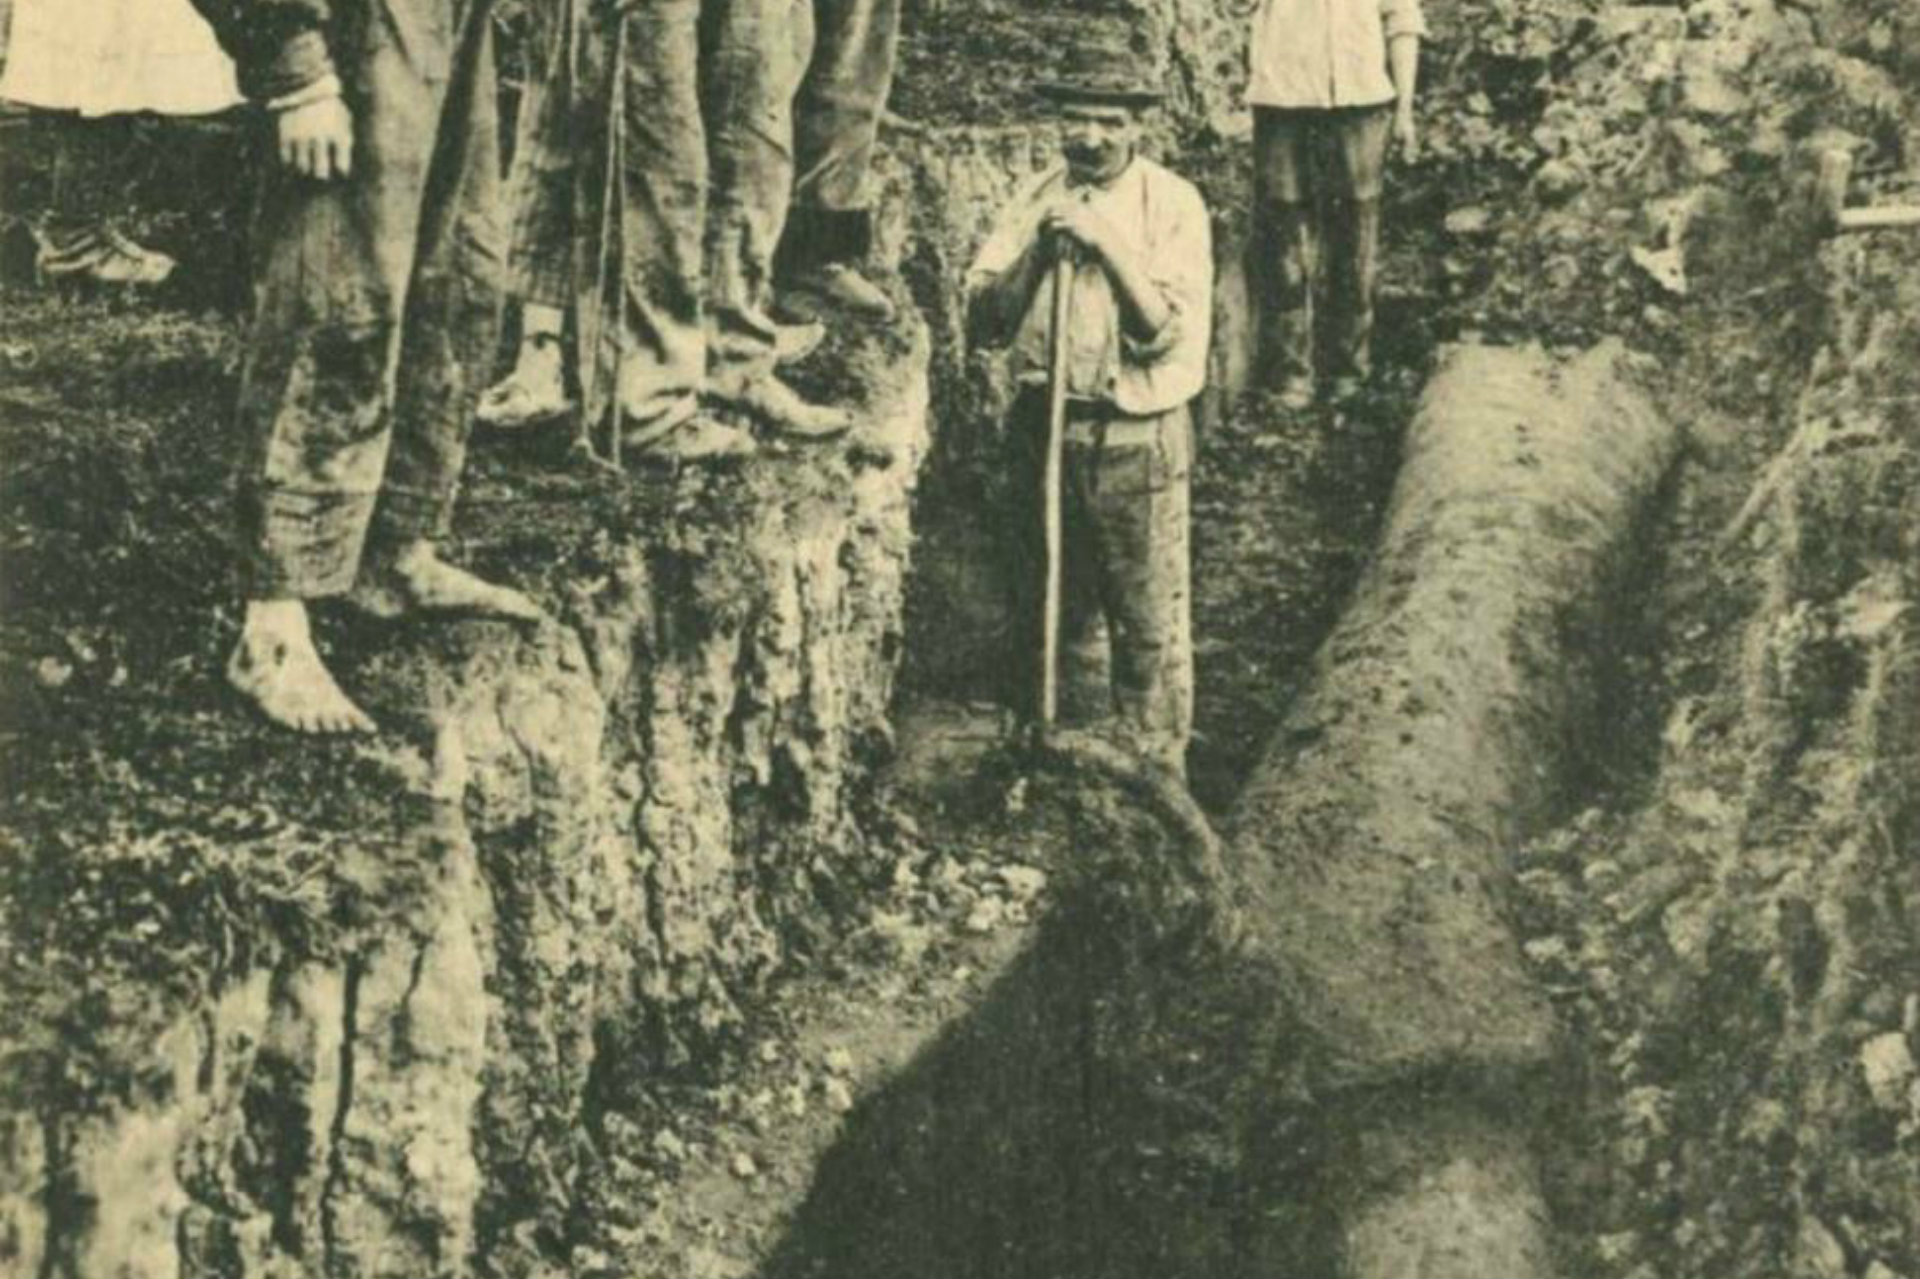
(1442,728)
(1345,942)
(1446,719)
(1306,1048)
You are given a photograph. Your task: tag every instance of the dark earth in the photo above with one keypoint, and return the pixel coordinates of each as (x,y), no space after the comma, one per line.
(1724,922)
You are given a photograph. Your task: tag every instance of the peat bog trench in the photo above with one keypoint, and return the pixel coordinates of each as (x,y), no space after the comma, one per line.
(1339,949)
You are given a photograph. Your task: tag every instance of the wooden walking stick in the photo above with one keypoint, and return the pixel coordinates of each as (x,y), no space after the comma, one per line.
(590,309)
(613,222)
(1056,446)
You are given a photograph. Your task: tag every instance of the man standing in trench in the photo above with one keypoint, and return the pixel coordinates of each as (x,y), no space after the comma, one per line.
(1329,80)
(1140,313)
(376,299)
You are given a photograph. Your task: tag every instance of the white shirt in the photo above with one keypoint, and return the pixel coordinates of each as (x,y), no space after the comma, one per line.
(104,57)
(1326,53)
(1165,217)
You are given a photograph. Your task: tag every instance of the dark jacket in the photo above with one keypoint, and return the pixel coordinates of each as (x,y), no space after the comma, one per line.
(278,46)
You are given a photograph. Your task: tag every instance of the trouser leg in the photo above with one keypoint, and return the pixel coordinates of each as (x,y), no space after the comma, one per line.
(1141,514)
(317,387)
(451,321)
(836,127)
(1357,160)
(1282,244)
(89,181)
(662,145)
(1084,670)
(541,191)
(757,51)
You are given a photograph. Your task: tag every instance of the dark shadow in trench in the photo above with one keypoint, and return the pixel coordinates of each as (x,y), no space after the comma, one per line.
(1080,1119)
(1046,1137)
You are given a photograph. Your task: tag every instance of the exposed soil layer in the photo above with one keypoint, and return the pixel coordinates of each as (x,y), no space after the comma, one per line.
(1726,929)
(342,1002)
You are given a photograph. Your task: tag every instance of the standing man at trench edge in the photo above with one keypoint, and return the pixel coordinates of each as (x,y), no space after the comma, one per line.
(1330,79)
(376,300)
(836,125)
(1138,326)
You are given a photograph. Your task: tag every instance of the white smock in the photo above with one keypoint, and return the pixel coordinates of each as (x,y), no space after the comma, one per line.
(106,57)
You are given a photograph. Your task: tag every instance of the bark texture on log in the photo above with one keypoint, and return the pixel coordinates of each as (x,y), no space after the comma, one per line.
(1444,718)
(1445,1193)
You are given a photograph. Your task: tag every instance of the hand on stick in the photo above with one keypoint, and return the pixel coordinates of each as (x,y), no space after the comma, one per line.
(1075,224)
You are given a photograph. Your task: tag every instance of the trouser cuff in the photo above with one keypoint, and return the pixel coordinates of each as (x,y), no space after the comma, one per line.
(406,516)
(299,545)
(816,236)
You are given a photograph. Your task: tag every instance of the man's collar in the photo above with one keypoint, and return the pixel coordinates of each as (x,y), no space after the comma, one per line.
(1074,183)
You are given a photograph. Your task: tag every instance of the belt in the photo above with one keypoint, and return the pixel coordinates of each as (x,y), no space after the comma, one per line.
(1097,424)
(1112,432)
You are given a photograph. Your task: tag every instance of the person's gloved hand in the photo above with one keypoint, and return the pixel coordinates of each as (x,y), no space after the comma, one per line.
(315,139)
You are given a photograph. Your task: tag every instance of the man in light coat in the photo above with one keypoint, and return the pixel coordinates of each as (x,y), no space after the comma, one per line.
(1330,80)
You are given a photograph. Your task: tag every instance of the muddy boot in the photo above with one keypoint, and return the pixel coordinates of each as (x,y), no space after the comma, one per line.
(534,394)
(1346,389)
(793,343)
(838,286)
(701,438)
(99,255)
(816,267)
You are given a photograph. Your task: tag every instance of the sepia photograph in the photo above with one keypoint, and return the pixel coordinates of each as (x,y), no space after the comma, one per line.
(959,639)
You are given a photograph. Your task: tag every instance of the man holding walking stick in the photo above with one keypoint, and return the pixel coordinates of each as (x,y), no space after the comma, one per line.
(1122,248)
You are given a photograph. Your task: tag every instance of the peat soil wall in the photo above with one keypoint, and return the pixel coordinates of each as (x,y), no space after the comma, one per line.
(351,1008)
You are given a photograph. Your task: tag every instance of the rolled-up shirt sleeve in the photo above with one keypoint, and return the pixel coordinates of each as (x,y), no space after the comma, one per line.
(278,47)
(1173,362)
(1403,18)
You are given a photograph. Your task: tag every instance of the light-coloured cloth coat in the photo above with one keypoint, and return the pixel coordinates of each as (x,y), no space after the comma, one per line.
(109,57)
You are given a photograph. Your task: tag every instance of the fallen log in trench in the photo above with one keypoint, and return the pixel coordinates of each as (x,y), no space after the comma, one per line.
(1443,727)
(1355,899)
(1309,1046)
(1445,719)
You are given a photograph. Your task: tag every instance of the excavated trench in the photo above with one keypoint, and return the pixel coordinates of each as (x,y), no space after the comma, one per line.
(1302,1048)
(292,1011)
(581,851)
(1310,1047)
